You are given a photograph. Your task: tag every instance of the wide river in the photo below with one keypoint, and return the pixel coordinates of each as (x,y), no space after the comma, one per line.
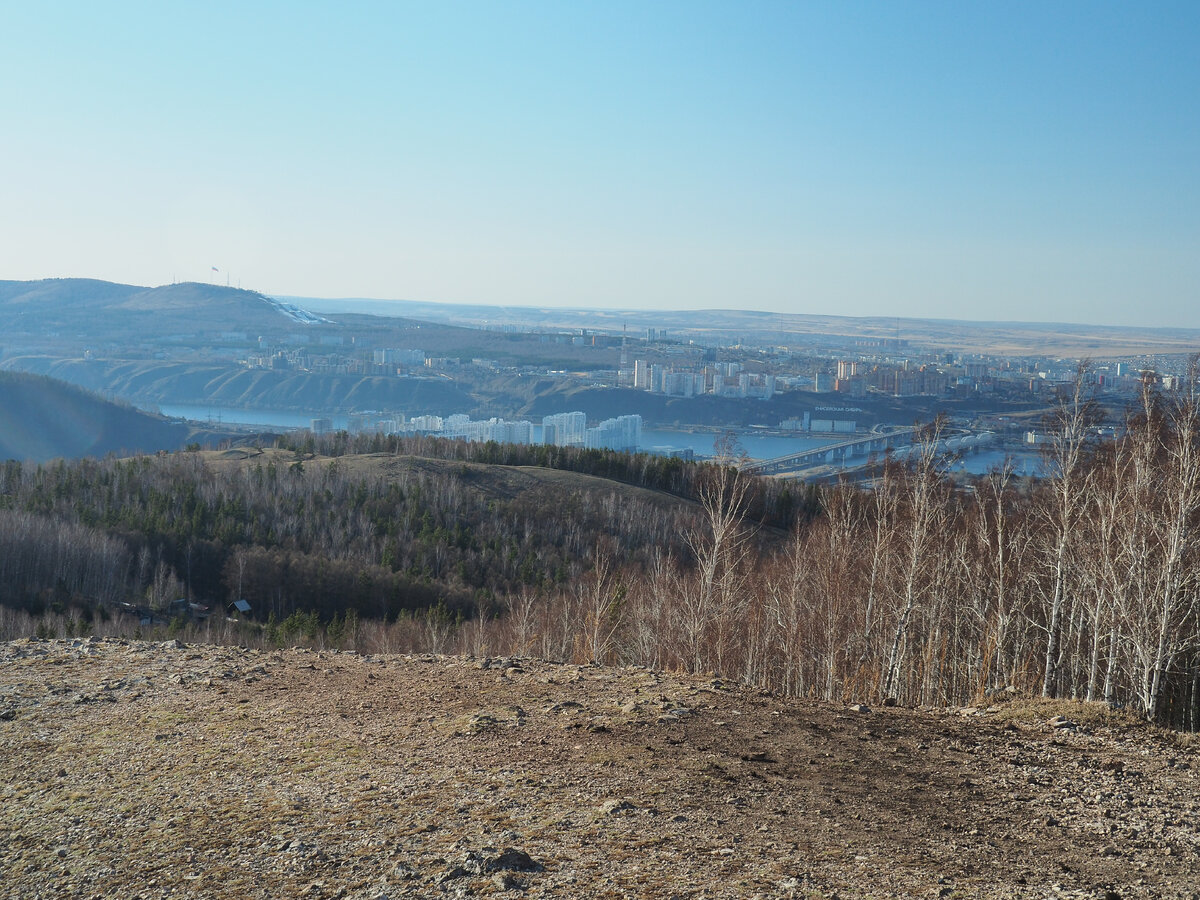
(756,444)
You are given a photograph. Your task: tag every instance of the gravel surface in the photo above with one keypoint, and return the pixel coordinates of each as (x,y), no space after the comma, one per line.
(136,769)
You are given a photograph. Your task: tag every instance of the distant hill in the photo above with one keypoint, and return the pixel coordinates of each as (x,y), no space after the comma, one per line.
(41,419)
(75,307)
(165,382)
(811,327)
(64,317)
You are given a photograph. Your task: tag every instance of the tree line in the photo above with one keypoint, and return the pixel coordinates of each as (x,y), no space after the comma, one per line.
(928,590)
(297,532)
(920,587)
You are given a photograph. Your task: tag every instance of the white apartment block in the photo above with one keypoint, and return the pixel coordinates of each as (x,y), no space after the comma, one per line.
(565,429)
(621,433)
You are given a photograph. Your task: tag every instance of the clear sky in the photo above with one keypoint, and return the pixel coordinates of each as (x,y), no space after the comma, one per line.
(998,160)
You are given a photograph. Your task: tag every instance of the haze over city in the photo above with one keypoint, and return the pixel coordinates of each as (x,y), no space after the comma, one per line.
(1010,162)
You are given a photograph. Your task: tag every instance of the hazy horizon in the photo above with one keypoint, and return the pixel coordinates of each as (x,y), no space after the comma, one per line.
(1021,163)
(317,301)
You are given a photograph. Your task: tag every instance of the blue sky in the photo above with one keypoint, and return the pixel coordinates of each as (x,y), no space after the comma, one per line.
(1018,161)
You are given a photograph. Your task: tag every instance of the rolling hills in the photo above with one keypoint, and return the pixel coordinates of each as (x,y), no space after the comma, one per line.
(100,310)
(804,326)
(62,317)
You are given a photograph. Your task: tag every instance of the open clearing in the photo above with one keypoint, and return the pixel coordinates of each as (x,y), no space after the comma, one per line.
(135,769)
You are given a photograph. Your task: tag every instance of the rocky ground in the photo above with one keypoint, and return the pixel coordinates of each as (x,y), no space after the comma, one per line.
(134,769)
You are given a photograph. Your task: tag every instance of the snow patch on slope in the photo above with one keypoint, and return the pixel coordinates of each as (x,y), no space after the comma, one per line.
(295,313)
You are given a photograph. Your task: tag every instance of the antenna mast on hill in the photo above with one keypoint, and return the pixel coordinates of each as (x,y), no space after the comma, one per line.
(624,355)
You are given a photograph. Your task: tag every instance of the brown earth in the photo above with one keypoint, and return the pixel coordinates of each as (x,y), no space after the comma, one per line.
(134,769)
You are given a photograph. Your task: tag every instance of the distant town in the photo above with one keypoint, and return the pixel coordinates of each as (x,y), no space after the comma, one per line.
(677,368)
(674,368)
(659,382)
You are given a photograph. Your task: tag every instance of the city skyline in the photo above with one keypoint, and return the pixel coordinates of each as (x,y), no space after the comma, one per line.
(1023,162)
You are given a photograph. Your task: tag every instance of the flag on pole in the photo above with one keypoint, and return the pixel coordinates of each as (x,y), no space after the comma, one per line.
(215,269)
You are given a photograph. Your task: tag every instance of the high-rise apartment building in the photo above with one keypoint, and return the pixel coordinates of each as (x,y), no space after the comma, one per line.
(641,374)
(565,429)
(621,433)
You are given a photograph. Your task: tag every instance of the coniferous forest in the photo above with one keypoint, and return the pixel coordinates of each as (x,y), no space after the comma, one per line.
(916,586)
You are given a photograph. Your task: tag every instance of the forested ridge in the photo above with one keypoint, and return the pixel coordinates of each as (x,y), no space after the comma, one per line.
(920,588)
(290,530)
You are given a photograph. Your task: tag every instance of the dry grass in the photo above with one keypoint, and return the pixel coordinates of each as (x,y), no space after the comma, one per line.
(1035,710)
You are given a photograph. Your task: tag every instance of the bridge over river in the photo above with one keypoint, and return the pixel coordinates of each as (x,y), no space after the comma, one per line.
(856,451)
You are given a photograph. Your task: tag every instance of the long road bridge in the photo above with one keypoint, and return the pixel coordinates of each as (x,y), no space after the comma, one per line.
(857,450)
